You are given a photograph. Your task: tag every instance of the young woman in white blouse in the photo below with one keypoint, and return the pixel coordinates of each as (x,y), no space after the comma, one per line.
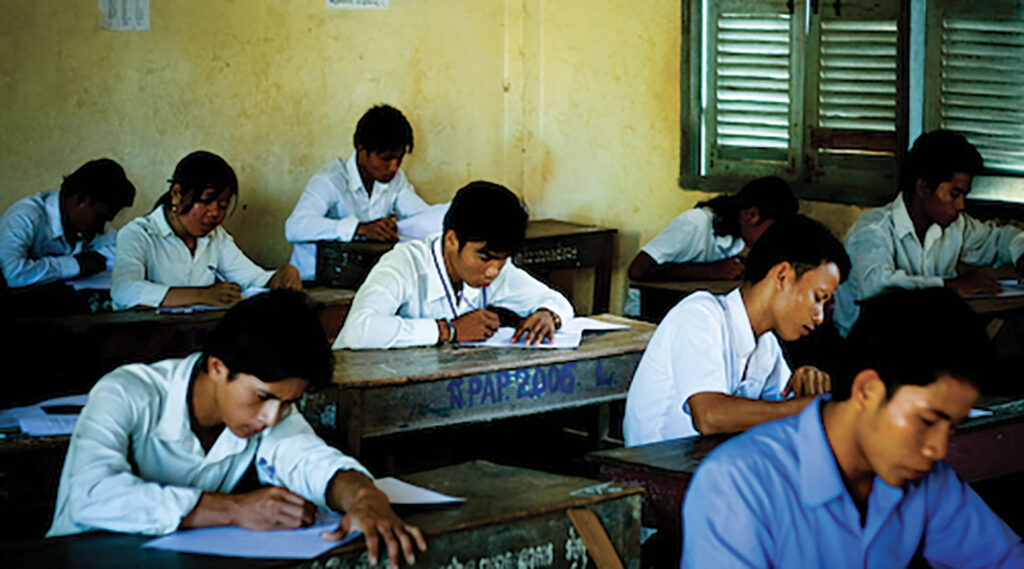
(179,255)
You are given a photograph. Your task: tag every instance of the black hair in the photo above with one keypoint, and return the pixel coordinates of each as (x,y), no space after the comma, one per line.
(770,195)
(799,240)
(196,172)
(273,336)
(912,337)
(934,158)
(488,212)
(102,181)
(383,128)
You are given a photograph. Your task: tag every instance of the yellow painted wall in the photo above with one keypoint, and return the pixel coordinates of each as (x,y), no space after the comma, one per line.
(574,104)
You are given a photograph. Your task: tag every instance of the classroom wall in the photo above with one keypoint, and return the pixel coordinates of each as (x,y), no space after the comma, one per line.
(574,104)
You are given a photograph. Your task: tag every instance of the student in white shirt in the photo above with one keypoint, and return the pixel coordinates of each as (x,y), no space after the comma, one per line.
(917,240)
(161,447)
(359,197)
(714,364)
(179,255)
(443,289)
(51,236)
(703,243)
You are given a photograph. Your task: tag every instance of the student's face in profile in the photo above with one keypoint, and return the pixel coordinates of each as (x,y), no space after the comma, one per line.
(752,225)
(381,166)
(248,405)
(87,218)
(944,204)
(206,213)
(901,437)
(475,265)
(800,303)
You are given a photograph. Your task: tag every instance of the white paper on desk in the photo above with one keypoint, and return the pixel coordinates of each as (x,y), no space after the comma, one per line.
(10,417)
(976,412)
(99,281)
(583,324)
(246,293)
(423,224)
(304,543)
(48,425)
(503,339)
(401,492)
(1010,288)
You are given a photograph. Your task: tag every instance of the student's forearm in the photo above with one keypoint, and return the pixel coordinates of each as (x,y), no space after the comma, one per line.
(717,413)
(213,509)
(183,296)
(346,487)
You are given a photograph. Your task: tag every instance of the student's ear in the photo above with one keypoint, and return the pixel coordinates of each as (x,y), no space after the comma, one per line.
(451,241)
(868,390)
(782,275)
(751,215)
(216,369)
(921,188)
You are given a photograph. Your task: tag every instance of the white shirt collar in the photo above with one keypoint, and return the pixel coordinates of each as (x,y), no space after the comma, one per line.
(743,340)
(355,180)
(901,217)
(52,206)
(159,221)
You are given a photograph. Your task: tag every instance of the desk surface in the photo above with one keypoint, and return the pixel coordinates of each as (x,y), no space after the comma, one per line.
(686,287)
(375,368)
(510,513)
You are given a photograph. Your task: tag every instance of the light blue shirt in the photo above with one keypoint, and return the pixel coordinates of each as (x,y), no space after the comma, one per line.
(773,497)
(690,238)
(886,254)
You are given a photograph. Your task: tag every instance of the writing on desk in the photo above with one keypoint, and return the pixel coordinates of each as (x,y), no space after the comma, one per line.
(523,383)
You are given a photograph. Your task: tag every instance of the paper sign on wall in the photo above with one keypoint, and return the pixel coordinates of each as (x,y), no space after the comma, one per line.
(358,4)
(124,15)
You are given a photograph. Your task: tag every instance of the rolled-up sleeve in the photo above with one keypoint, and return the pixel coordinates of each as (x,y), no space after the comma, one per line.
(99,489)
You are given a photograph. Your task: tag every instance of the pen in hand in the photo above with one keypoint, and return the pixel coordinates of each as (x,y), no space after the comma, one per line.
(217,274)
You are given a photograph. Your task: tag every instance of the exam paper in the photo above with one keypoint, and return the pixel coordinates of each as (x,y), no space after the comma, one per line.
(98,281)
(11,417)
(583,324)
(424,224)
(48,426)
(304,543)
(976,412)
(246,293)
(1010,288)
(503,339)
(401,492)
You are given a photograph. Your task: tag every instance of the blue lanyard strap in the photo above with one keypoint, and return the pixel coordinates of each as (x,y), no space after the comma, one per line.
(444,284)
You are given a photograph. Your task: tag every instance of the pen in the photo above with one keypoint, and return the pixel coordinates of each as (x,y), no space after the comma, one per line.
(217,274)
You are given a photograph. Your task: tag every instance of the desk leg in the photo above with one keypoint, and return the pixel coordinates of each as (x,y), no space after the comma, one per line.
(603,425)
(603,279)
(354,423)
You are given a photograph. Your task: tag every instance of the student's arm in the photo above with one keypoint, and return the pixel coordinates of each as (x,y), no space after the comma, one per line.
(367,509)
(309,221)
(373,320)
(644,268)
(989,243)
(724,524)
(407,202)
(128,286)
(106,244)
(98,487)
(17,230)
(961,530)
(518,291)
(716,413)
(235,265)
(872,254)
(269,508)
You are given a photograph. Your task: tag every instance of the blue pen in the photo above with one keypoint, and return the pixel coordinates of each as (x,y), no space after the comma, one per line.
(722,250)
(217,274)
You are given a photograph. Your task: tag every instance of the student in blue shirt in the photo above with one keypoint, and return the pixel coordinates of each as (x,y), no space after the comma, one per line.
(859,480)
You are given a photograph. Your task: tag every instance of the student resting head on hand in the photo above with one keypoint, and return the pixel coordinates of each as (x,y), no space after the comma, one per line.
(179,255)
(164,446)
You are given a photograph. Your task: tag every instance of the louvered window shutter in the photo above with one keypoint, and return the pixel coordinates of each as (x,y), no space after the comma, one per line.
(749,103)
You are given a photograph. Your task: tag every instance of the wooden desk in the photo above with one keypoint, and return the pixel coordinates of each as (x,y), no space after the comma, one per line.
(382,392)
(1006,318)
(29,476)
(512,518)
(982,448)
(56,354)
(657,298)
(550,245)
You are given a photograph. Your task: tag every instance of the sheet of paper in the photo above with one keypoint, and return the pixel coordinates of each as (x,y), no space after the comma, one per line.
(503,339)
(401,492)
(423,224)
(975,412)
(1010,288)
(303,543)
(583,324)
(246,293)
(10,417)
(97,281)
(48,425)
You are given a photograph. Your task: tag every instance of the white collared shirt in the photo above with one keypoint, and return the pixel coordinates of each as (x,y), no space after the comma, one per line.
(886,254)
(705,343)
(690,238)
(405,293)
(135,466)
(33,248)
(151,259)
(335,202)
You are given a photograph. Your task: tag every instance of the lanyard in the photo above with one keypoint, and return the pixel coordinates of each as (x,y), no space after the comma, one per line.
(444,283)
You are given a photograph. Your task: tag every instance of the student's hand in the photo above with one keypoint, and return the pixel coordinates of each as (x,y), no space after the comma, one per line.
(371,513)
(536,328)
(384,229)
(974,282)
(807,380)
(476,325)
(725,269)
(272,508)
(220,294)
(286,277)
(90,263)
